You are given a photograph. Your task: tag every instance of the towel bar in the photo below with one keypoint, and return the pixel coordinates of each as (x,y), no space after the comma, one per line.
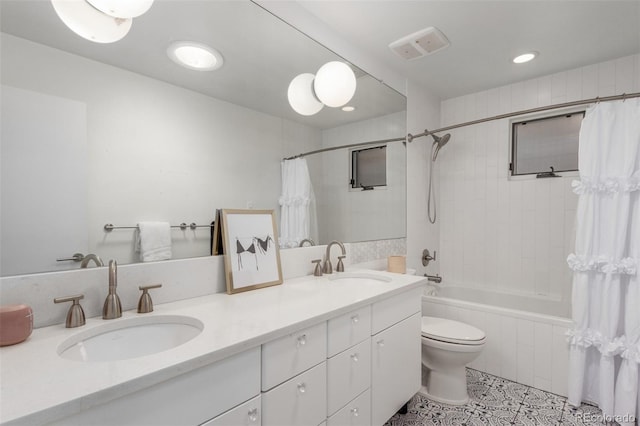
(183,226)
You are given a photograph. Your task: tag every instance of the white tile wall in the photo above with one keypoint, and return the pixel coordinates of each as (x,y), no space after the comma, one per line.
(525,348)
(512,235)
(381,249)
(349,215)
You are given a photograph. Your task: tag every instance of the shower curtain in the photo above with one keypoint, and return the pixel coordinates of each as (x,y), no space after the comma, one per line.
(297,213)
(604,355)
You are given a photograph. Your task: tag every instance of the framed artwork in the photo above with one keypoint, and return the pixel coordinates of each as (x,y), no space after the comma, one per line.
(251,252)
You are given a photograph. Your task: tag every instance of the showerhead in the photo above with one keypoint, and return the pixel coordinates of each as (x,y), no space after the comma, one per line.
(439,142)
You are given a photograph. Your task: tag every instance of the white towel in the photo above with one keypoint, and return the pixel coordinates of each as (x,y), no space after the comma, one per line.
(153,241)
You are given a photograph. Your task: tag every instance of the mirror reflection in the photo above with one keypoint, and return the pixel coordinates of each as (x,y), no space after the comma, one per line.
(118,133)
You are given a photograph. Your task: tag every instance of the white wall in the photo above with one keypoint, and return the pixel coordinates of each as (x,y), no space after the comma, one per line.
(513,235)
(423,112)
(157,151)
(353,215)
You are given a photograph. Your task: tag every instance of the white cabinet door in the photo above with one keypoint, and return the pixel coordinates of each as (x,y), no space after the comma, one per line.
(290,355)
(189,399)
(247,414)
(355,413)
(395,368)
(299,401)
(348,375)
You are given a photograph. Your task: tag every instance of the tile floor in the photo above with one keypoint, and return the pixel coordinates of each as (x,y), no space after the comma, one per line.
(497,401)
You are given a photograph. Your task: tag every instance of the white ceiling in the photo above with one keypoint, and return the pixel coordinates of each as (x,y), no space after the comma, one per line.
(262,54)
(486,35)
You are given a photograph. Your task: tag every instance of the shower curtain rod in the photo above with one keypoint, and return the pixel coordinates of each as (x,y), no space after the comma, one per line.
(598,99)
(411,137)
(351,145)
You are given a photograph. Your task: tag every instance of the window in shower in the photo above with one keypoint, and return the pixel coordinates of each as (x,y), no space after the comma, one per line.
(543,146)
(369,167)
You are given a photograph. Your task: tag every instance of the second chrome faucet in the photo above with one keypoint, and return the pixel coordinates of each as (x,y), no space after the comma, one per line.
(112,307)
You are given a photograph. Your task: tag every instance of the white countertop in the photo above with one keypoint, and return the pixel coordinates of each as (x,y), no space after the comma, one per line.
(39,386)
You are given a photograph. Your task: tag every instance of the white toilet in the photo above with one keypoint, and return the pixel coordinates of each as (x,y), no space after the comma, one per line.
(447,347)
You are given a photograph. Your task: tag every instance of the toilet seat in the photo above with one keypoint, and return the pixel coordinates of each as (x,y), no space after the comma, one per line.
(449,331)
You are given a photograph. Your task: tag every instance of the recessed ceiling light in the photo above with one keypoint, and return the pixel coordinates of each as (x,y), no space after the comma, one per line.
(195,56)
(348,108)
(526,57)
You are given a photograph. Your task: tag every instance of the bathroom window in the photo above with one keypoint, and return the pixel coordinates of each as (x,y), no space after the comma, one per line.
(540,144)
(369,167)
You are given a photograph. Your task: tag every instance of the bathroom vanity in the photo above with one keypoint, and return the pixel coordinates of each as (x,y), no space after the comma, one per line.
(342,349)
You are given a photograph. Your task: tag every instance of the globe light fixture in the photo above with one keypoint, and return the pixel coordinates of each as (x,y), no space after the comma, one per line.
(335,84)
(122,8)
(89,23)
(301,95)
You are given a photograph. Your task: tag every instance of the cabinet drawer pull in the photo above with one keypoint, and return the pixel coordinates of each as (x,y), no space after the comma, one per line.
(355,357)
(355,318)
(354,411)
(302,340)
(380,342)
(302,388)
(253,415)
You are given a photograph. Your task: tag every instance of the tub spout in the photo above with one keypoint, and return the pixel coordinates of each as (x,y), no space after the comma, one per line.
(434,278)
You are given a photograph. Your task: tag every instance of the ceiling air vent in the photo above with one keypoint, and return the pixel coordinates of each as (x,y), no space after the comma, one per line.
(419,44)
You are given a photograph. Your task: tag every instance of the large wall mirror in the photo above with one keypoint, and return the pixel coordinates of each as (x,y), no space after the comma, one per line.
(96,134)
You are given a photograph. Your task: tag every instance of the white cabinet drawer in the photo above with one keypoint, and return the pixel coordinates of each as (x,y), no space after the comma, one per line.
(299,401)
(189,399)
(290,355)
(355,413)
(247,414)
(348,375)
(389,311)
(347,330)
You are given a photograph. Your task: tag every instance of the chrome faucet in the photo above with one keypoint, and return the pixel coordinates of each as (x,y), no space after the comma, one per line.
(328,269)
(89,257)
(112,307)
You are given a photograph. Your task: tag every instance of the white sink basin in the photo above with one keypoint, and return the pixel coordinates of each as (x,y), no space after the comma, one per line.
(360,277)
(130,338)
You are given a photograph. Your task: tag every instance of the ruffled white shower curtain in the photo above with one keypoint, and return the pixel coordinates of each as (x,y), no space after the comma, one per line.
(297,212)
(605,341)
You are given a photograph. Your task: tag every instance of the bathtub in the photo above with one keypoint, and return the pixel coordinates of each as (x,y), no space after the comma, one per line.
(521,304)
(526,339)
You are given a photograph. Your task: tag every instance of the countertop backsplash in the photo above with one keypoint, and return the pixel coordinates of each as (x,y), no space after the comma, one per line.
(180,279)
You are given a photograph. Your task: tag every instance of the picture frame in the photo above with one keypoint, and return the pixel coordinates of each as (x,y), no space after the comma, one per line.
(216,235)
(251,251)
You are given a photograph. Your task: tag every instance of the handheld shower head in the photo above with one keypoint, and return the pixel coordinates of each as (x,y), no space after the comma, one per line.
(439,142)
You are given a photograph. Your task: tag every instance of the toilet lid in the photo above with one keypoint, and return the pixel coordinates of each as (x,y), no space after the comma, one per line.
(451,331)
